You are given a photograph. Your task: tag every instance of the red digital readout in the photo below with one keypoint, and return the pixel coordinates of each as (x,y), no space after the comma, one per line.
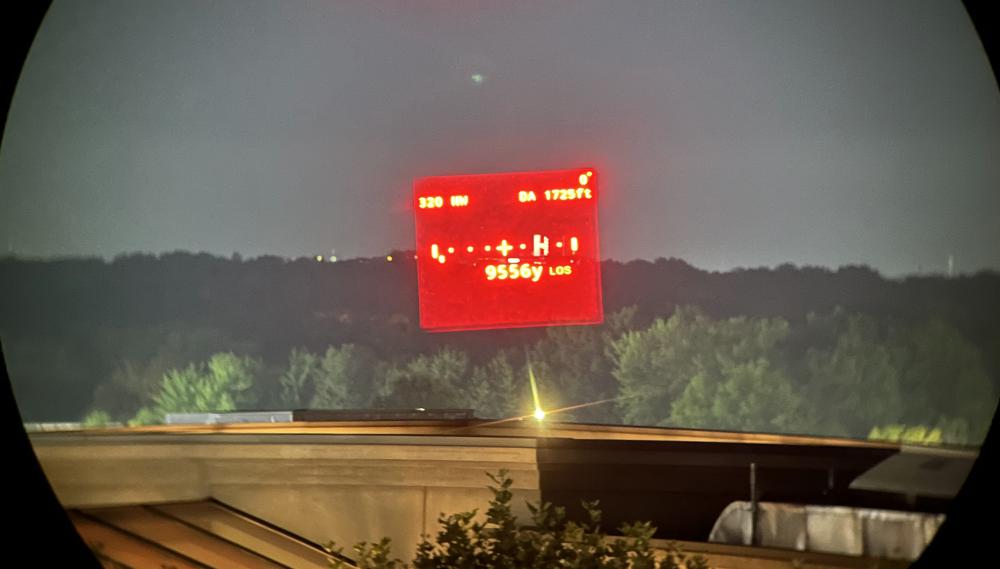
(508,250)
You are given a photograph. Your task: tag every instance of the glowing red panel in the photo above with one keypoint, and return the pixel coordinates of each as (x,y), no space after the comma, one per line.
(508,250)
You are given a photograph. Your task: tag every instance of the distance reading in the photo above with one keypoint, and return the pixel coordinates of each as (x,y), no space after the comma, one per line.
(524,271)
(507,250)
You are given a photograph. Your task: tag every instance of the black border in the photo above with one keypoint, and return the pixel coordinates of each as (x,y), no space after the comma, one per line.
(42,521)
(37,524)
(968,533)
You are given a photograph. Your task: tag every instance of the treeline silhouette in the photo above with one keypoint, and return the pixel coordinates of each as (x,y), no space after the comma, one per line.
(85,334)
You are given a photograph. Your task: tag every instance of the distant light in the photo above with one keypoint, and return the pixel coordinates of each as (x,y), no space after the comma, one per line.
(388,258)
(539,414)
(319,258)
(333,258)
(421,409)
(477,78)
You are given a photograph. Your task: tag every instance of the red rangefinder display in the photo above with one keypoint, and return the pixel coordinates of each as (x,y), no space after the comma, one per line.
(508,250)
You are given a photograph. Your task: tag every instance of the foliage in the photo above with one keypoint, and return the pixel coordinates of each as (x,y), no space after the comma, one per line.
(145,416)
(944,376)
(742,396)
(692,371)
(145,315)
(435,380)
(97,418)
(298,380)
(911,435)
(143,356)
(572,369)
(857,377)
(500,542)
(497,389)
(224,383)
(345,377)
(654,366)
(839,373)
(947,431)
(680,346)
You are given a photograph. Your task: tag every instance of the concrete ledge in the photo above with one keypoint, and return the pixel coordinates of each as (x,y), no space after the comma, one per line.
(348,488)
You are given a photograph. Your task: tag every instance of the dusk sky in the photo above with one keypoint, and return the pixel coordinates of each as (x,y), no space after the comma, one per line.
(728,134)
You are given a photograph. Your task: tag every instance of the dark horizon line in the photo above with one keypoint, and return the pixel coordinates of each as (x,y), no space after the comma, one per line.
(236,256)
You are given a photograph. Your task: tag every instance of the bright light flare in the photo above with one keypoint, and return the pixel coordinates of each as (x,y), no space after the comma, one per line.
(539,414)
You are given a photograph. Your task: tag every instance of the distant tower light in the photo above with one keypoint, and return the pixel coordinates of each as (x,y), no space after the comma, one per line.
(388,258)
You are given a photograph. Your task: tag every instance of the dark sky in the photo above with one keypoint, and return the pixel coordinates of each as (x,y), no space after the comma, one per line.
(726,133)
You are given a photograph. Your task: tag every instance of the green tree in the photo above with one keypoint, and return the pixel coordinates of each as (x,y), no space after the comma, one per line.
(572,369)
(130,386)
(345,377)
(436,380)
(97,418)
(690,370)
(298,381)
(141,357)
(943,376)
(224,383)
(498,389)
(750,395)
(655,365)
(855,383)
(146,416)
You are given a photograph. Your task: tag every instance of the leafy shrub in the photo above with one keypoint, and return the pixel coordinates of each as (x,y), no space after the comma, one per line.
(97,418)
(550,541)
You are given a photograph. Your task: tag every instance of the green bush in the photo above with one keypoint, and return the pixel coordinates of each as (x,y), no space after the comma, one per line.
(501,543)
(97,418)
